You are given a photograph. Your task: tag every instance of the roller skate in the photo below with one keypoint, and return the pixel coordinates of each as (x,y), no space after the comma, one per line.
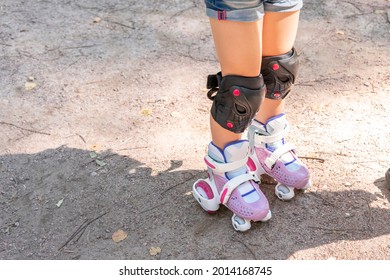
(270,154)
(229,183)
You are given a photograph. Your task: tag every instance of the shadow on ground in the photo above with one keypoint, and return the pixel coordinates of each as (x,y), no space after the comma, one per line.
(66,203)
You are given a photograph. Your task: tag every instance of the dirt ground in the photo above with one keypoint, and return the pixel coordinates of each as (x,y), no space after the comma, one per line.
(104,125)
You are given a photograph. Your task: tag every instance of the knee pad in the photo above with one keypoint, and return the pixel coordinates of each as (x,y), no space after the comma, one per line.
(236,101)
(280,73)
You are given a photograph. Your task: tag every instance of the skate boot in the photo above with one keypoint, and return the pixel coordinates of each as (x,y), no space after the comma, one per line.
(230,183)
(271,154)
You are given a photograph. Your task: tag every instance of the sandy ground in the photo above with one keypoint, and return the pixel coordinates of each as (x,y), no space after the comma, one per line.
(104,125)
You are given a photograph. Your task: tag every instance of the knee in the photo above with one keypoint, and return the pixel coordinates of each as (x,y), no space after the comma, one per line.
(236,101)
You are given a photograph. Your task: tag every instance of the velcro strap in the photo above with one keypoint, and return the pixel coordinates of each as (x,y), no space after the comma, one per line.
(271,160)
(232,184)
(213,81)
(225,167)
(261,139)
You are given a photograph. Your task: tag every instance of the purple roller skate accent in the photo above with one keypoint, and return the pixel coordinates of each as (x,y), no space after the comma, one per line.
(255,211)
(297,179)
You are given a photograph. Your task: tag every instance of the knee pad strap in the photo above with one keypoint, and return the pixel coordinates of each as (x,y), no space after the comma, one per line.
(280,72)
(236,101)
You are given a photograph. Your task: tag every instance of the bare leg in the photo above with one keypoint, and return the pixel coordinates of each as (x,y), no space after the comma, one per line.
(238,46)
(279,32)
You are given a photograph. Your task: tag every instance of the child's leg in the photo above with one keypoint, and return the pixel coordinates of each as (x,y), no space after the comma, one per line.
(238,46)
(279,32)
(240,90)
(271,154)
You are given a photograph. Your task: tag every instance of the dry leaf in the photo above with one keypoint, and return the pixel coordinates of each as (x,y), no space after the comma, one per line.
(146,112)
(119,236)
(153,251)
(30,85)
(95,147)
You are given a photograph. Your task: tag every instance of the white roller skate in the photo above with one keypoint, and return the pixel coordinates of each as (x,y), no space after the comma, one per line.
(230,183)
(271,154)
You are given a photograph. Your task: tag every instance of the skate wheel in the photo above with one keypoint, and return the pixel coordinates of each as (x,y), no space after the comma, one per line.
(308,185)
(283,192)
(204,195)
(266,218)
(240,224)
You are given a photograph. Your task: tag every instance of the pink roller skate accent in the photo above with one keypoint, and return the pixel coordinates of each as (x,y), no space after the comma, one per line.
(206,188)
(223,194)
(209,164)
(251,165)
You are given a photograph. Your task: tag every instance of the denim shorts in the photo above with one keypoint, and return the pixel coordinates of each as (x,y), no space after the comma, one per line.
(248,10)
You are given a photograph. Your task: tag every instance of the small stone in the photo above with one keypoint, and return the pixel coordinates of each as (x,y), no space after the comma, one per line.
(59,203)
(30,86)
(347,184)
(176,114)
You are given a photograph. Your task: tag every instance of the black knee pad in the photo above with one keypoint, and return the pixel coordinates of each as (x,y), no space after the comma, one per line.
(236,101)
(280,72)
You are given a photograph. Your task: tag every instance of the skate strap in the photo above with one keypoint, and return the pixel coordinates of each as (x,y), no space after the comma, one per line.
(261,139)
(225,167)
(271,160)
(232,184)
